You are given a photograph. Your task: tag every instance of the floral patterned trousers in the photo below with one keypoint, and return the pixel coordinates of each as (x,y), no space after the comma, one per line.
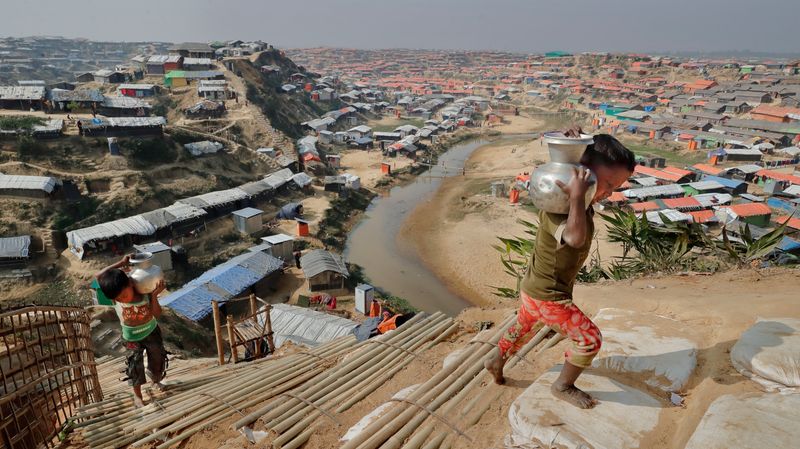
(562,316)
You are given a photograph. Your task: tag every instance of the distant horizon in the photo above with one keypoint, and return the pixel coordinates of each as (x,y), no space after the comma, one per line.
(705,27)
(711,53)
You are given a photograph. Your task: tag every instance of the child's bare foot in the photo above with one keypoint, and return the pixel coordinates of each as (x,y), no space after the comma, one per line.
(137,402)
(160,387)
(573,395)
(495,368)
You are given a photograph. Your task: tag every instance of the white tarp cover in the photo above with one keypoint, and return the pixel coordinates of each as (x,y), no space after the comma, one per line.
(306,326)
(769,353)
(278,178)
(20,182)
(175,213)
(15,247)
(203,147)
(622,417)
(647,345)
(135,225)
(754,421)
(216,198)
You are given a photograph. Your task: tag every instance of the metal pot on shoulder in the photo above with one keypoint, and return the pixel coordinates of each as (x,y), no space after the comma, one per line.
(565,154)
(145,275)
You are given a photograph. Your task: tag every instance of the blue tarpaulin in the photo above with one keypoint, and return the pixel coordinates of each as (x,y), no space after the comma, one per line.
(221,283)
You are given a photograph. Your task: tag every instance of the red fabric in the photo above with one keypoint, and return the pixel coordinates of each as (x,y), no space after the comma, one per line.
(565,318)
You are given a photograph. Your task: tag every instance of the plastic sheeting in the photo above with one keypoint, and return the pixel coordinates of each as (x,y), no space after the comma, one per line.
(278,178)
(20,182)
(176,213)
(289,211)
(648,345)
(317,261)
(749,422)
(305,326)
(203,147)
(216,198)
(769,353)
(221,283)
(15,247)
(135,225)
(622,417)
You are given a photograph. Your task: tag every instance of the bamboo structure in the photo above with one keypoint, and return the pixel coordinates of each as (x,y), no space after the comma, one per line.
(294,418)
(47,369)
(246,332)
(439,411)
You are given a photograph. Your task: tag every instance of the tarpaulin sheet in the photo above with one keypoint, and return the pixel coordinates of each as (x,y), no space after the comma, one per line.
(306,326)
(15,247)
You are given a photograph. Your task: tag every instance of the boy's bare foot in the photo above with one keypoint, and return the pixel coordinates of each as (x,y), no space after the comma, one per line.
(573,395)
(495,368)
(160,387)
(137,402)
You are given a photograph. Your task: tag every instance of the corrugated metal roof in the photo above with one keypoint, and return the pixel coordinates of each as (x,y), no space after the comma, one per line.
(21,182)
(216,198)
(706,185)
(750,209)
(15,247)
(92,95)
(302,179)
(713,199)
(655,191)
(175,213)
(248,212)
(126,122)
(318,261)
(277,239)
(22,92)
(728,183)
(221,283)
(278,178)
(123,102)
(134,86)
(671,214)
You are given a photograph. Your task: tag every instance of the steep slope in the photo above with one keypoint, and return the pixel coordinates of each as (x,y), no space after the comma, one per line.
(285,112)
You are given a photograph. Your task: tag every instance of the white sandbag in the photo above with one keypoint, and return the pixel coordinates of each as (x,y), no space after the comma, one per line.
(376,413)
(649,346)
(623,416)
(755,421)
(769,353)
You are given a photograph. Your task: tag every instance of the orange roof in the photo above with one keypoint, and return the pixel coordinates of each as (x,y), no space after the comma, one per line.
(646,205)
(616,197)
(687,202)
(791,222)
(775,111)
(660,174)
(750,209)
(676,171)
(707,168)
(702,216)
(779,176)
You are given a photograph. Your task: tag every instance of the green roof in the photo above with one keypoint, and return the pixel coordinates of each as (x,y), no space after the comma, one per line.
(557,54)
(176,74)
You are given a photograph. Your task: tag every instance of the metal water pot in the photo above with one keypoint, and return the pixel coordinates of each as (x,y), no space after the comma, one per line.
(145,275)
(565,153)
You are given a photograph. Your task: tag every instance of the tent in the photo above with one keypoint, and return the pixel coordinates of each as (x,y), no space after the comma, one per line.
(290,211)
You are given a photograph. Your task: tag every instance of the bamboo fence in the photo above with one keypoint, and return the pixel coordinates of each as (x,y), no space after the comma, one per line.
(48,370)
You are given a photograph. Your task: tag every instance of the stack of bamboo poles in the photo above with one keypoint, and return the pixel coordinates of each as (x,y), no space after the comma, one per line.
(439,411)
(296,417)
(203,398)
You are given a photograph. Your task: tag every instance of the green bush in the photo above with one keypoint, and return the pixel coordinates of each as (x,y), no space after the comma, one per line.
(151,151)
(28,147)
(19,122)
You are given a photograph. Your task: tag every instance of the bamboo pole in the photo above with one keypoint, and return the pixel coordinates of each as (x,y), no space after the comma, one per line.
(232,341)
(268,327)
(218,332)
(380,430)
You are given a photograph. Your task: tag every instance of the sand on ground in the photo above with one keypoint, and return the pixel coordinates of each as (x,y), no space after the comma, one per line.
(367,165)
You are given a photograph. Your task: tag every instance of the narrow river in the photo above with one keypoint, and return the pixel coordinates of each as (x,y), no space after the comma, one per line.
(394,266)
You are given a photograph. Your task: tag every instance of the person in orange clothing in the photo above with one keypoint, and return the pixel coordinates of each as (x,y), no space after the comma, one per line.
(375,309)
(389,322)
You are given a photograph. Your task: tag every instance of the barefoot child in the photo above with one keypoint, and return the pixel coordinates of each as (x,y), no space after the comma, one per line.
(562,245)
(137,315)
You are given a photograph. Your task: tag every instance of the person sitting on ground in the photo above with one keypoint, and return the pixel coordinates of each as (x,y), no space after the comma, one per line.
(137,314)
(562,245)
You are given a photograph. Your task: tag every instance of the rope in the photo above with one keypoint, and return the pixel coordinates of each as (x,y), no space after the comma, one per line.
(393,346)
(224,402)
(311,404)
(435,415)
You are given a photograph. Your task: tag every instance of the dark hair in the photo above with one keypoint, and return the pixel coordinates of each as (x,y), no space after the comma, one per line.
(112,282)
(606,150)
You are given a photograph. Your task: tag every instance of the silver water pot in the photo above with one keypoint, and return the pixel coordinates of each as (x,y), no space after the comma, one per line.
(565,154)
(145,275)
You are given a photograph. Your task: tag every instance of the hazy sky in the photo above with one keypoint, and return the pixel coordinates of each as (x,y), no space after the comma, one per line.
(521,25)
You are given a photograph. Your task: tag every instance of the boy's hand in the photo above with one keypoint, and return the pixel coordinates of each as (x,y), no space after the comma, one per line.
(160,287)
(578,185)
(573,131)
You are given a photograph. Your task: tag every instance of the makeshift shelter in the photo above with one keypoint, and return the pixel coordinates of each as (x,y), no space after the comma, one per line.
(162,254)
(249,272)
(306,327)
(203,147)
(112,235)
(280,246)
(324,270)
(28,186)
(290,211)
(14,249)
(248,220)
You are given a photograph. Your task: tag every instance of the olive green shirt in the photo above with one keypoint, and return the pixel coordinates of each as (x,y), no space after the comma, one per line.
(554,264)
